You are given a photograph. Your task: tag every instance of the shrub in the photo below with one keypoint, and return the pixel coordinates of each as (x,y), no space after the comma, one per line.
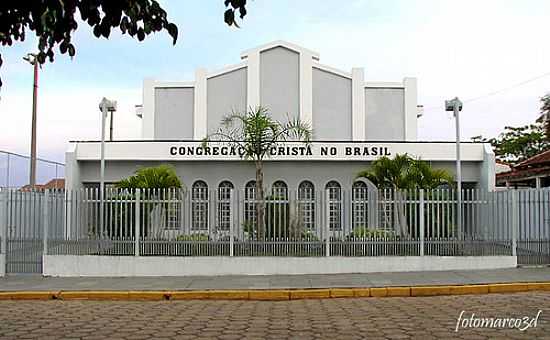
(362,232)
(192,237)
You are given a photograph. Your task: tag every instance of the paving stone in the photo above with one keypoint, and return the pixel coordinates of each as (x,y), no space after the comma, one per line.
(349,318)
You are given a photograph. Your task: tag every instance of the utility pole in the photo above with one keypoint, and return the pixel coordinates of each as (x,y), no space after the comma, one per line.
(455,105)
(105,107)
(31,58)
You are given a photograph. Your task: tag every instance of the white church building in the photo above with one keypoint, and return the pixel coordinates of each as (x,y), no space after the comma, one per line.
(354,121)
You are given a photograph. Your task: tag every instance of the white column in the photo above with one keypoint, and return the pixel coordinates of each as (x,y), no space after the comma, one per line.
(411,110)
(199,113)
(148,109)
(538,182)
(253,80)
(306,87)
(358,104)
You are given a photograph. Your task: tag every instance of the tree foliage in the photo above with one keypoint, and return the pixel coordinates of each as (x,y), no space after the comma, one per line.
(255,132)
(545,117)
(160,177)
(54,21)
(517,144)
(405,172)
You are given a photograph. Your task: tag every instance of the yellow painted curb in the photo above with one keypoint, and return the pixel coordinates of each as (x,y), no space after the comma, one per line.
(469,289)
(361,292)
(508,287)
(269,295)
(28,295)
(189,295)
(309,294)
(430,290)
(543,286)
(73,295)
(148,295)
(95,295)
(278,294)
(379,292)
(228,294)
(341,292)
(398,291)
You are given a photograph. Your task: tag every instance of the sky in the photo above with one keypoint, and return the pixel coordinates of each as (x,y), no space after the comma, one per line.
(465,48)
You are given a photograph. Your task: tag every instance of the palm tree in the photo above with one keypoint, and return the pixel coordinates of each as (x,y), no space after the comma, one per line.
(255,132)
(160,177)
(404,173)
(161,183)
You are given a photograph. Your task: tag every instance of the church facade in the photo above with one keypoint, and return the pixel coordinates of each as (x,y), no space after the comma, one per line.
(354,121)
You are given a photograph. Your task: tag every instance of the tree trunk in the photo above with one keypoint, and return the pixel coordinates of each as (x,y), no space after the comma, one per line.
(260,200)
(401,218)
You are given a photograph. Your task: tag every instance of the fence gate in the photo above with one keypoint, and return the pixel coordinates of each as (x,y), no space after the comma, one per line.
(24,231)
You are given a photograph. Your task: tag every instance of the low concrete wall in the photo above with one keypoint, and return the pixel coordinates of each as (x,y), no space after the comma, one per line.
(74,265)
(2,265)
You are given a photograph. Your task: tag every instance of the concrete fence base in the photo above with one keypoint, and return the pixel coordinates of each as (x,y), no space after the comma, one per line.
(74,265)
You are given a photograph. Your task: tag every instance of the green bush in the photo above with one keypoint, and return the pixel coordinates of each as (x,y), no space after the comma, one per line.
(362,232)
(192,237)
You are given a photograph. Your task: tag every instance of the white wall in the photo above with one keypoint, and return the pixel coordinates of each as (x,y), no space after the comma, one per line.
(91,265)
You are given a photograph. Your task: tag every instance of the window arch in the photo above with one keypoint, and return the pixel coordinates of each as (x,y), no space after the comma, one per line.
(199,209)
(306,204)
(250,203)
(359,208)
(279,190)
(334,198)
(224,205)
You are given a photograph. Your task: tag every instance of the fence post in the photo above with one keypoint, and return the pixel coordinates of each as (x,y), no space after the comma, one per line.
(3,219)
(4,196)
(421,221)
(327,223)
(137,222)
(515,221)
(46,218)
(231,223)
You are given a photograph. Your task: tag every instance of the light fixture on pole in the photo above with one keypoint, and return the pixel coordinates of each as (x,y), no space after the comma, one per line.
(31,59)
(105,106)
(455,106)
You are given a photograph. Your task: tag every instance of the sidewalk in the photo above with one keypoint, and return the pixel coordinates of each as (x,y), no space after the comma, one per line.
(39,283)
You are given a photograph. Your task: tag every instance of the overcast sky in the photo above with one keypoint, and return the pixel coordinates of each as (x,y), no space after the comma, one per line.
(454,47)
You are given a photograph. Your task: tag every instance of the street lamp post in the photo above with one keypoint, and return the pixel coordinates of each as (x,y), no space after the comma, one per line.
(105,106)
(455,106)
(31,58)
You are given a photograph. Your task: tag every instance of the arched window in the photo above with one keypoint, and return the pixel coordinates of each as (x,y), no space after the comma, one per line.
(224,205)
(359,209)
(306,204)
(250,204)
(199,209)
(334,197)
(279,190)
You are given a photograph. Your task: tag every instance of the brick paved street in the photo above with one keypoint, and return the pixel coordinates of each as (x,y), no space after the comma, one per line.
(390,318)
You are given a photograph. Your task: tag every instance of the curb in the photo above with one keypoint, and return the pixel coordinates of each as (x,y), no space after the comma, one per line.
(279,294)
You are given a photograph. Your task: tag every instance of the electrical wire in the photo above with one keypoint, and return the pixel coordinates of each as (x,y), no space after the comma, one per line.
(494,93)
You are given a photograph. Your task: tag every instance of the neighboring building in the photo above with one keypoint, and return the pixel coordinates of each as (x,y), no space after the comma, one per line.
(354,122)
(501,166)
(56,183)
(531,173)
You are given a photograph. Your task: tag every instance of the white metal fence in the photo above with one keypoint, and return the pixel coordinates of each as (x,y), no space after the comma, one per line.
(223,222)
